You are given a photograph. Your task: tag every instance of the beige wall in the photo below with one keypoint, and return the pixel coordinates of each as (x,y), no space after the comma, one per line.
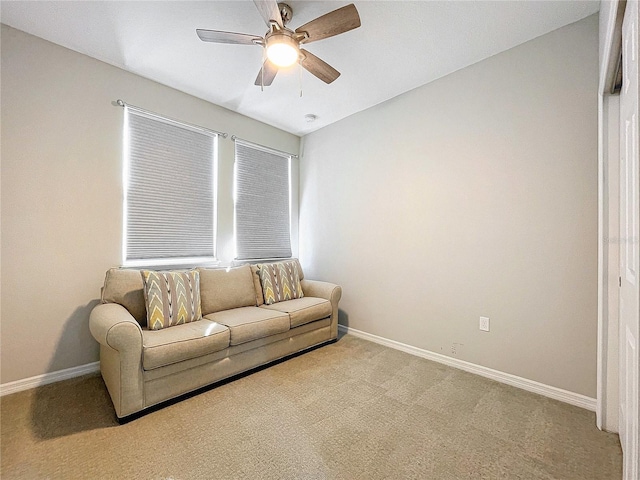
(473,195)
(62,192)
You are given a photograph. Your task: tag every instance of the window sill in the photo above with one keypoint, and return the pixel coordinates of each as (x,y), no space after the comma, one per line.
(237,262)
(173,263)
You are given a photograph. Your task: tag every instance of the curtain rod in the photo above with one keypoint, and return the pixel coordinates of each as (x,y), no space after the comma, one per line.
(122,103)
(263,147)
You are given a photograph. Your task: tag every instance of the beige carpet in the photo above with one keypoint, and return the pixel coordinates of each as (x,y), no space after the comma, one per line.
(351,410)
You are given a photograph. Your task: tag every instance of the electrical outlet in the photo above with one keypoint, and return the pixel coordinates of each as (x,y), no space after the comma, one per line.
(484,324)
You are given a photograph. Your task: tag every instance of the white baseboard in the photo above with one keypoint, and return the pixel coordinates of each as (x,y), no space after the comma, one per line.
(529,385)
(39,380)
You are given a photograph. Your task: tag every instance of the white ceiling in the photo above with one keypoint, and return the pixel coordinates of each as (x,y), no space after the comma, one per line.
(400,46)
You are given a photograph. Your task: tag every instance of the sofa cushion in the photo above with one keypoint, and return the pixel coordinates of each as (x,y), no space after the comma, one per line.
(280,281)
(171,298)
(226,288)
(124,286)
(251,323)
(182,342)
(303,310)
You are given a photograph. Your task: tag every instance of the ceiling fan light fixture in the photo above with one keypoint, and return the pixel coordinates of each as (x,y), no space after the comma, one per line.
(281,45)
(282,50)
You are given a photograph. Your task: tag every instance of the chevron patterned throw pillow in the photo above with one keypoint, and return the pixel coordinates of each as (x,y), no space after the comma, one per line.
(171,298)
(280,281)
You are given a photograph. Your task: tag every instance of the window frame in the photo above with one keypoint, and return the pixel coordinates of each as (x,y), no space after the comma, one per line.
(288,157)
(173,262)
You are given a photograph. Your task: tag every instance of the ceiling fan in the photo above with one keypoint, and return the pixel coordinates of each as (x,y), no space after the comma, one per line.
(282,44)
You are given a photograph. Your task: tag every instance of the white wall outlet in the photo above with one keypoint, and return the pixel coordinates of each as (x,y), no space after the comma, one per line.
(484,324)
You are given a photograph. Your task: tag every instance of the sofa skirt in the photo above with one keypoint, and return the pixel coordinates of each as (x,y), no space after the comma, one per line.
(160,386)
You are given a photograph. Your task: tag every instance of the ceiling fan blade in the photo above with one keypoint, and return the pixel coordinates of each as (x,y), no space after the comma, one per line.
(228,37)
(270,70)
(319,68)
(270,11)
(333,23)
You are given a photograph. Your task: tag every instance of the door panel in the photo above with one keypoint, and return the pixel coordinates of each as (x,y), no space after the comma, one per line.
(629,247)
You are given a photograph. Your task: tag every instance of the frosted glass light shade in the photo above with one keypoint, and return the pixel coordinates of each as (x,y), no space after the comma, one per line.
(282,50)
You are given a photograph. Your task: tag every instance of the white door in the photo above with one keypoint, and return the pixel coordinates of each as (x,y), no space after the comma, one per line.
(629,246)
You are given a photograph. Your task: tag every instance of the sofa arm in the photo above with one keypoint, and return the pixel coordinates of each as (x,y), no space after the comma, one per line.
(328,291)
(113,326)
(120,338)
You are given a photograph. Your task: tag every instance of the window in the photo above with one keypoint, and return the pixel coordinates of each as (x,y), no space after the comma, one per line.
(170,191)
(262,202)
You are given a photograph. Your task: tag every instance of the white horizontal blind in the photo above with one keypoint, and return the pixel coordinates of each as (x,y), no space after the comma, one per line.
(262,223)
(169,191)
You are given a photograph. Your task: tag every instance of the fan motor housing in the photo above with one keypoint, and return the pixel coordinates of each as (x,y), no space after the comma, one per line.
(281,36)
(286,12)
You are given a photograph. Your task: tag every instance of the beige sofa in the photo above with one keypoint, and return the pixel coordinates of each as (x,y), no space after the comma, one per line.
(143,367)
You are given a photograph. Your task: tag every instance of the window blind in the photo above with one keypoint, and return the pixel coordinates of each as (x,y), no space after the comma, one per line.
(262,223)
(169,188)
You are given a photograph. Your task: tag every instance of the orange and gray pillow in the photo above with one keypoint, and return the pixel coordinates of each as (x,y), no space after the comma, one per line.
(171,298)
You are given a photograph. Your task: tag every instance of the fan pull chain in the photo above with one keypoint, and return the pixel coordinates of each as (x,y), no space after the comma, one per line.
(300,77)
(264,57)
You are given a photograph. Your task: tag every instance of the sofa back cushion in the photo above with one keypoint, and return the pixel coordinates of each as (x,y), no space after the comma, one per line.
(225,288)
(124,286)
(171,298)
(280,281)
